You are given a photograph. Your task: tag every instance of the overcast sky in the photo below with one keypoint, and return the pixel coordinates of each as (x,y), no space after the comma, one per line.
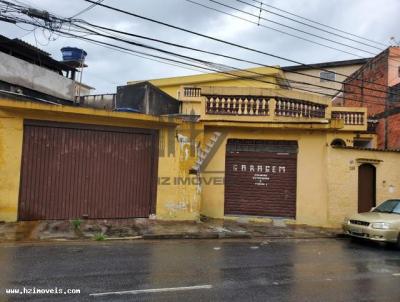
(377,20)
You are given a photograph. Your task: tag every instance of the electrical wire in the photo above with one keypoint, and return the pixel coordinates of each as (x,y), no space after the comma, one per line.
(319,23)
(216,67)
(226,56)
(86,9)
(308,25)
(324,86)
(289,27)
(272,28)
(219,66)
(222,41)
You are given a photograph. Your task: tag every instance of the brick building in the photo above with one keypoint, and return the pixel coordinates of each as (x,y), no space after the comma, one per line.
(376,86)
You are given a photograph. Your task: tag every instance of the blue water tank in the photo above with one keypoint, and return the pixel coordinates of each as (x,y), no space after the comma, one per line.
(73,54)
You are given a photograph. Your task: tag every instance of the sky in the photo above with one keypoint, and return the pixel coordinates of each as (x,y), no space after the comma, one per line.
(376,20)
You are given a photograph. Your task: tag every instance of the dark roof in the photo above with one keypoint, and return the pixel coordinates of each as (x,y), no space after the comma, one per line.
(30,46)
(27,52)
(327,64)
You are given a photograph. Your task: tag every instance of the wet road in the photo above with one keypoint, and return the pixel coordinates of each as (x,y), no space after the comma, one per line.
(203,270)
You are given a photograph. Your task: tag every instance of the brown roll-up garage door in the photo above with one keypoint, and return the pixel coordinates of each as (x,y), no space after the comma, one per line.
(73,170)
(260,178)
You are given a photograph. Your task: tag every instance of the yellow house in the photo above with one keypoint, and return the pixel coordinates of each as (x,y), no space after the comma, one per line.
(261,77)
(241,146)
(270,151)
(65,162)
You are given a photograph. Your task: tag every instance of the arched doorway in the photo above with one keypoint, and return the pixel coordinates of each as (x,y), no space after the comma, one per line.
(366,187)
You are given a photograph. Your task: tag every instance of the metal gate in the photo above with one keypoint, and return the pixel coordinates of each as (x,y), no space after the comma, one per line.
(73,170)
(260,178)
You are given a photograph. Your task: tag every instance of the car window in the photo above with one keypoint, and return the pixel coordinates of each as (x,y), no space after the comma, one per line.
(397,208)
(389,206)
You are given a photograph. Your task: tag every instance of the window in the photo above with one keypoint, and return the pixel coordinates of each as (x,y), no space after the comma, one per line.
(325,76)
(337,142)
(362,143)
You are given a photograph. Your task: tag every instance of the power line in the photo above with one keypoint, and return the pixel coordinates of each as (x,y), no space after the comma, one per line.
(227,57)
(143,56)
(272,28)
(291,27)
(195,59)
(304,83)
(223,41)
(319,23)
(86,9)
(308,25)
(218,68)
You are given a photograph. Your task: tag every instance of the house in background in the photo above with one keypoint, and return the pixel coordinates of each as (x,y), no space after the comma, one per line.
(259,77)
(376,86)
(281,152)
(28,71)
(328,75)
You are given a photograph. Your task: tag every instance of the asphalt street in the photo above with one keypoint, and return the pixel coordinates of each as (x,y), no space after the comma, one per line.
(203,270)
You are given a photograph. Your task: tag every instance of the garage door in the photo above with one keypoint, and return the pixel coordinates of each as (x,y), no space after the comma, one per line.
(72,171)
(260,178)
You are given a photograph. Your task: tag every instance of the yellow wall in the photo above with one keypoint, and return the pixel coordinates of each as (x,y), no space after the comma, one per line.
(175,201)
(178,193)
(311,172)
(172,85)
(326,184)
(346,70)
(343,179)
(326,180)
(10,162)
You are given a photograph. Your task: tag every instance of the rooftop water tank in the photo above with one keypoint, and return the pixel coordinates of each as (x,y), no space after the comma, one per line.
(73,54)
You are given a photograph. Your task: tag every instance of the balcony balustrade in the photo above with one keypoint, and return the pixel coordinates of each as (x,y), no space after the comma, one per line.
(269,105)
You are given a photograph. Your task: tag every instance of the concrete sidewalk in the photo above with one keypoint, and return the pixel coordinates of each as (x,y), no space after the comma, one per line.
(140,228)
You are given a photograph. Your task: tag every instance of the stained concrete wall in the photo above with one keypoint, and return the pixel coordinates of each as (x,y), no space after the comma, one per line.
(259,77)
(11,131)
(326,188)
(178,200)
(19,72)
(311,204)
(326,87)
(326,177)
(342,171)
(179,193)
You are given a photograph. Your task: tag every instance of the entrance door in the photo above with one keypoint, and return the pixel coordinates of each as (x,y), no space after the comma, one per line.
(366,187)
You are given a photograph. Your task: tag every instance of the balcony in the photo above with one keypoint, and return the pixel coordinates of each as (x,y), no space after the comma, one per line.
(234,104)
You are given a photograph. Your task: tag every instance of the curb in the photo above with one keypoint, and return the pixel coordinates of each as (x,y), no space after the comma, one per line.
(196,236)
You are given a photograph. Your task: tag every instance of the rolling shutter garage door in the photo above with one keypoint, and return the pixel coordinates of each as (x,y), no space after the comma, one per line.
(260,178)
(71,171)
